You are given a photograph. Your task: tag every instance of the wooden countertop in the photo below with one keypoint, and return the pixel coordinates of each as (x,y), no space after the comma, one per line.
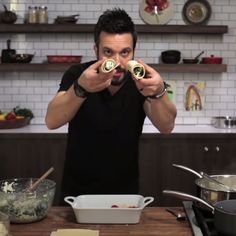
(154,221)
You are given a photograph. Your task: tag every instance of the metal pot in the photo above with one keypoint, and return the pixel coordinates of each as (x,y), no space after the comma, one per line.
(224,211)
(171,56)
(210,191)
(8,17)
(224,122)
(8,53)
(212,60)
(21,58)
(190,61)
(194,60)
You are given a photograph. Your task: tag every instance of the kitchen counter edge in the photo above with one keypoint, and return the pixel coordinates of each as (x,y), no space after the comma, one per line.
(179,129)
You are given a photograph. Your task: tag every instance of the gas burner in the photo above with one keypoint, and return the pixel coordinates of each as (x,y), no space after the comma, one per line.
(192,219)
(201,221)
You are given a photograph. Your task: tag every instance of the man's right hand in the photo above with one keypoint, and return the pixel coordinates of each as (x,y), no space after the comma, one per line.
(94,80)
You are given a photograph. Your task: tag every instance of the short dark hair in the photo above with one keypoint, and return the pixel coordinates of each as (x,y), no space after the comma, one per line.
(115,21)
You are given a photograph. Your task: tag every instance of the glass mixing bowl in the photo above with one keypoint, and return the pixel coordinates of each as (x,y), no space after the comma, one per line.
(23,206)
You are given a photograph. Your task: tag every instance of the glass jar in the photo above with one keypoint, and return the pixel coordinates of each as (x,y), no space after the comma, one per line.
(43,15)
(32,15)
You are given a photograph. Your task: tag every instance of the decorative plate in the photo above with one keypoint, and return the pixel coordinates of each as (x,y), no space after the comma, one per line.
(156,12)
(196,12)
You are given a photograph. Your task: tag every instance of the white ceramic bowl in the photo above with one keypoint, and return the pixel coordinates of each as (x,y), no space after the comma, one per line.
(108,209)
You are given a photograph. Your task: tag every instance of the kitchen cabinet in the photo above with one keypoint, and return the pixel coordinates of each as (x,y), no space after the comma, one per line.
(89,28)
(31,155)
(150,168)
(25,155)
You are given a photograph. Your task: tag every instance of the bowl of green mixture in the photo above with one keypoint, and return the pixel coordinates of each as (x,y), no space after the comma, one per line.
(22,205)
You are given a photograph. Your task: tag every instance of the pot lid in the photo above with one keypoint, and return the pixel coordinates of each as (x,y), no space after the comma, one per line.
(156,12)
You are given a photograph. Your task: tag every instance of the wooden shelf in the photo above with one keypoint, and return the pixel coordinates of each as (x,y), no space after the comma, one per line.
(40,67)
(190,68)
(182,29)
(167,68)
(89,28)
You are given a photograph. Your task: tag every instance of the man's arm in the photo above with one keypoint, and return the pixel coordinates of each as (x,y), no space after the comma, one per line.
(66,104)
(159,109)
(161,112)
(62,108)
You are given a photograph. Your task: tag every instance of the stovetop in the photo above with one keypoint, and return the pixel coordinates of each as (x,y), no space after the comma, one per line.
(201,222)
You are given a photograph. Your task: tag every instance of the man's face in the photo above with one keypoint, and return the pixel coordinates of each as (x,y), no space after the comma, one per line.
(118,47)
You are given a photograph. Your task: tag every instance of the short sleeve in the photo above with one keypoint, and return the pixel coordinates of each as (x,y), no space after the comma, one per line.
(72,74)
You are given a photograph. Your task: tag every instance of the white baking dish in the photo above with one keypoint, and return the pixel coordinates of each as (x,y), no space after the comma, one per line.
(99,208)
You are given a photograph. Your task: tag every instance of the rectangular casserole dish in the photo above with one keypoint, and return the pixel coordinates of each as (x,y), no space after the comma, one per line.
(64,59)
(108,209)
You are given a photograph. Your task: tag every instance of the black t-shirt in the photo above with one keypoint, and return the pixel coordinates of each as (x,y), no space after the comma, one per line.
(103,138)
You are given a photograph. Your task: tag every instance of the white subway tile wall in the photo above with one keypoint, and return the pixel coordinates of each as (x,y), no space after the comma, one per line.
(35,90)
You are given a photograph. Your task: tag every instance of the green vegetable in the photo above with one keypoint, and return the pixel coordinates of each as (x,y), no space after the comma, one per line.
(23,112)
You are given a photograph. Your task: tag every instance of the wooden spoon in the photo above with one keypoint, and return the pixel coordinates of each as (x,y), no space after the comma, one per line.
(36,183)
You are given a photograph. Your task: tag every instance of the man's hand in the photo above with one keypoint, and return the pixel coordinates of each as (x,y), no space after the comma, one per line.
(152,83)
(94,80)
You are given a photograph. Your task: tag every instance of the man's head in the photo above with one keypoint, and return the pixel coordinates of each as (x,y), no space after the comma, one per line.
(115,37)
(115,21)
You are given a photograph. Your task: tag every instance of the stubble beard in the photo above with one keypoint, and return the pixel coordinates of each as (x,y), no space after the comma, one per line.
(119,80)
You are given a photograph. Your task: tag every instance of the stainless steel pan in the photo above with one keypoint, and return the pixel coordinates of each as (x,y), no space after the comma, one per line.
(210,191)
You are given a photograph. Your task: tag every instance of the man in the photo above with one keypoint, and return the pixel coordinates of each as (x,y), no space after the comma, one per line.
(106,112)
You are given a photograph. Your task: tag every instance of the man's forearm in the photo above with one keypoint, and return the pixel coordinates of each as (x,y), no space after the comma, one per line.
(62,108)
(162,113)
